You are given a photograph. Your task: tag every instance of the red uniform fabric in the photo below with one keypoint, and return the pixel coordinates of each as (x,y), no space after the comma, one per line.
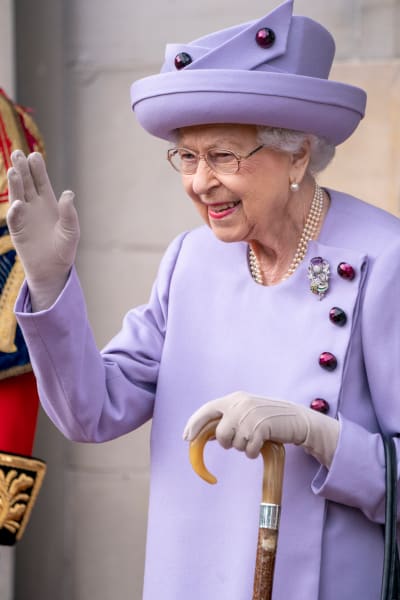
(19,404)
(18,393)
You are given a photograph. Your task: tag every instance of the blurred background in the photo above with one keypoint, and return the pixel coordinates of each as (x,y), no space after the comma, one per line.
(72,62)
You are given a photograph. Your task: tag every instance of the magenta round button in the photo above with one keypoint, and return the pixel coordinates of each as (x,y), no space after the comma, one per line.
(328,361)
(320,405)
(338,316)
(346,271)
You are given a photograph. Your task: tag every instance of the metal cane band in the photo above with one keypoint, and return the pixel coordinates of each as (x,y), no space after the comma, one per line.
(269,515)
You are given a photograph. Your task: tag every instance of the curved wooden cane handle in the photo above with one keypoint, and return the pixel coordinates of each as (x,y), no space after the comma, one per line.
(273,454)
(196,450)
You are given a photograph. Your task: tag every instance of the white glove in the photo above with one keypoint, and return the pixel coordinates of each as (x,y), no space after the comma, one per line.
(45,232)
(248,421)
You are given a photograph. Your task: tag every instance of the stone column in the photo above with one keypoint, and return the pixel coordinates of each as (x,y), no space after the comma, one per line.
(7,560)
(7,554)
(7,59)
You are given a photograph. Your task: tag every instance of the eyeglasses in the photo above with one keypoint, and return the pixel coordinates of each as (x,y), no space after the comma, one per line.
(219,160)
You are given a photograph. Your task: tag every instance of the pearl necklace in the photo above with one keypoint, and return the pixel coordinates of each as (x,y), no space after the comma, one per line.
(310,230)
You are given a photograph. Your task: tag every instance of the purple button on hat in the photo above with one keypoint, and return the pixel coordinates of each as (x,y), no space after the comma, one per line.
(265,37)
(273,71)
(182,60)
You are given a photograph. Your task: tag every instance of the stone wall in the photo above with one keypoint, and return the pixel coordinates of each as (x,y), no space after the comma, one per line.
(76,61)
(7,82)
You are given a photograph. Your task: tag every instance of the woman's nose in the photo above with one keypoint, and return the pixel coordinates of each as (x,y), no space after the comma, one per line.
(204,178)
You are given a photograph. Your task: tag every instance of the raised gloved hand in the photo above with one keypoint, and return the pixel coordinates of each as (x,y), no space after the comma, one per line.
(45,232)
(248,421)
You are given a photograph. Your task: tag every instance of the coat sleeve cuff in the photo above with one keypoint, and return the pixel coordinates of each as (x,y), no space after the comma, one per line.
(356,475)
(23,305)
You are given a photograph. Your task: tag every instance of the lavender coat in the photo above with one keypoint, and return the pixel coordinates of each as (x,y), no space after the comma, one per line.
(208,330)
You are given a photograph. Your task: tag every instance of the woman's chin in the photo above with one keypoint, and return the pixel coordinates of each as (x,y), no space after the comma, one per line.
(226,234)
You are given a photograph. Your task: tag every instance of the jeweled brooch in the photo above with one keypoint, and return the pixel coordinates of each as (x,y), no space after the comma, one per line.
(318,274)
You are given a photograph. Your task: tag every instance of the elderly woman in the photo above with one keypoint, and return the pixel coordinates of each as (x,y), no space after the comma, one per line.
(286,293)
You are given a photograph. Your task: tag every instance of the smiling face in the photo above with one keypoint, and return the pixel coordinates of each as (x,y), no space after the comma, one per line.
(243,206)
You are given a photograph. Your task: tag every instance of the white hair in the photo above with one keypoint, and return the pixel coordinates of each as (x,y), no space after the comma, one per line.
(287,140)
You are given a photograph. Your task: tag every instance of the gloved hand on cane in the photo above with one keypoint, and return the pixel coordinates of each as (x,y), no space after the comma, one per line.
(248,421)
(45,232)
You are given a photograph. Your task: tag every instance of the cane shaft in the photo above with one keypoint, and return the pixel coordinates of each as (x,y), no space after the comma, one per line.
(274,457)
(265,563)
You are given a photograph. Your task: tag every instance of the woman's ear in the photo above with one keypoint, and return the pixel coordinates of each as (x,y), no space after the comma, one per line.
(300,162)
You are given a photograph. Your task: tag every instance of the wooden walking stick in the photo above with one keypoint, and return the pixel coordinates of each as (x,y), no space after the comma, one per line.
(274,457)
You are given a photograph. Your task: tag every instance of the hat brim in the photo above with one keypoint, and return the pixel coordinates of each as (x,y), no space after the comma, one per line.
(166,102)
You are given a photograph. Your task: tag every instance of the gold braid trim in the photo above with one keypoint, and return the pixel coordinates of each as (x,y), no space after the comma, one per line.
(18,130)
(37,143)
(20,480)
(17,370)
(11,137)
(8,322)
(5,243)
(3,210)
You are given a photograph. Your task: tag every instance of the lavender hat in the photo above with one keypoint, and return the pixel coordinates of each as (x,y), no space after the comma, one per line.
(273,71)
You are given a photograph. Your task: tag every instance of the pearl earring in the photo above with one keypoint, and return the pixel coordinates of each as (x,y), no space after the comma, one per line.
(294,187)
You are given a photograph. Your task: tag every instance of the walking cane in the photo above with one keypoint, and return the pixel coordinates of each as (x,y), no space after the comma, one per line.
(274,457)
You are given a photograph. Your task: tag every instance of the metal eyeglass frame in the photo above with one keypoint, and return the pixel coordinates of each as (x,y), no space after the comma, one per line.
(172,151)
